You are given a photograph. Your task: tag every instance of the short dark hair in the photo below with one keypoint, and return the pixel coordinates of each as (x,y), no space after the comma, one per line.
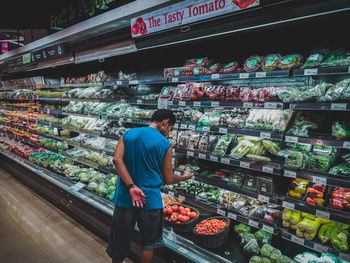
(162,114)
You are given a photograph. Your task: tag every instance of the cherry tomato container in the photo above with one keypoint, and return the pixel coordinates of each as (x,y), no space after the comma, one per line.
(213,240)
(183,226)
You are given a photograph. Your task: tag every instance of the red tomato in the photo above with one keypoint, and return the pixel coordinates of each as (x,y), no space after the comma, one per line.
(193,215)
(188,209)
(165,211)
(175,208)
(178,222)
(169,211)
(188,213)
(181,208)
(173,218)
(183,212)
(186,218)
(180,217)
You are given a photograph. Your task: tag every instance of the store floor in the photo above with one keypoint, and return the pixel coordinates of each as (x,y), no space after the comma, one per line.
(34,231)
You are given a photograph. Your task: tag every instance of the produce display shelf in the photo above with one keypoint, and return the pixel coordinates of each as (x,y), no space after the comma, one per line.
(132,101)
(335,106)
(224,184)
(322,71)
(318,177)
(318,141)
(77,85)
(217,209)
(319,211)
(48,99)
(50,86)
(94,133)
(48,111)
(227,104)
(80,114)
(58,126)
(130,120)
(136,82)
(271,168)
(229,130)
(80,99)
(314,245)
(82,146)
(110,136)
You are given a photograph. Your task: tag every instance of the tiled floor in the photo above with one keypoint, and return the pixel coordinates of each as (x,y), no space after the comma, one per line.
(34,231)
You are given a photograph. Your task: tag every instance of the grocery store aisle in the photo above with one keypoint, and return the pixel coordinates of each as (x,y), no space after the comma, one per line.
(33,230)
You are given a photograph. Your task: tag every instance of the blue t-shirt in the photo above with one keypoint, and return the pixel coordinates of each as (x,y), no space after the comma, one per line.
(145,150)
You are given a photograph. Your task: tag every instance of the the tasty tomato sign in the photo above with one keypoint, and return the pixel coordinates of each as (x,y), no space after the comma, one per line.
(186,12)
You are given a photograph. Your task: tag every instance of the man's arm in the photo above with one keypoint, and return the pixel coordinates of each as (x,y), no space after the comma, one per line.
(137,195)
(168,173)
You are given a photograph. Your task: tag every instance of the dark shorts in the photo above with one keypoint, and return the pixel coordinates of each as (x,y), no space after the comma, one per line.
(150,223)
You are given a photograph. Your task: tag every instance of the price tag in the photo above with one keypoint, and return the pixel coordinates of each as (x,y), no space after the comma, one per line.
(267,169)
(291,139)
(263,198)
(206,128)
(119,82)
(162,103)
(288,205)
(48,111)
(189,153)
(122,100)
(290,174)
(338,106)
(139,101)
(310,71)
(319,180)
(202,156)
(170,103)
(128,120)
(265,135)
(268,228)
(225,160)
(297,240)
(196,103)
(253,223)
(221,212)
(213,158)
(322,214)
(77,186)
(192,127)
(182,103)
(248,105)
(320,248)
(222,130)
(344,256)
(171,194)
(244,164)
(182,250)
(260,74)
(270,105)
(176,125)
(215,104)
(175,80)
(182,198)
(346,145)
(232,216)
(349,69)
(244,75)
(133,82)
(183,126)
(215,76)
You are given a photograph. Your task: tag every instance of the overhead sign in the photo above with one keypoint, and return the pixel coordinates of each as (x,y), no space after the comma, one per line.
(186,12)
(26,58)
(49,52)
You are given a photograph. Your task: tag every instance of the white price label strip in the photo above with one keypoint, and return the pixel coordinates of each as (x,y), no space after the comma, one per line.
(206,128)
(122,100)
(175,80)
(322,214)
(202,156)
(215,76)
(248,105)
(290,174)
(133,82)
(267,169)
(183,250)
(119,82)
(291,139)
(222,130)
(268,229)
(244,75)
(225,160)
(298,240)
(215,104)
(263,198)
(338,106)
(170,103)
(139,101)
(319,180)
(288,205)
(244,164)
(182,103)
(346,145)
(310,71)
(265,135)
(260,75)
(189,153)
(232,216)
(171,194)
(221,212)
(213,158)
(320,248)
(270,105)
(183,126)
(196,103)
(129,120)
(253,223)
(344,256)
(182,198)
(77,186)
(192,127)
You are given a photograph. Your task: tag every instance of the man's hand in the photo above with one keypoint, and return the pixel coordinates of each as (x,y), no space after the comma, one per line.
(137,196)
(187,175)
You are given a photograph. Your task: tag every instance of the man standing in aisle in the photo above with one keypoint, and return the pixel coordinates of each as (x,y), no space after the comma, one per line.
(143,159)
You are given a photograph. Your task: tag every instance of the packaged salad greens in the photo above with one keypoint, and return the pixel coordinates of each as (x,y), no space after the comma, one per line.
(290,61)
(270,62)
(340,131)
(223,144)
(203,143)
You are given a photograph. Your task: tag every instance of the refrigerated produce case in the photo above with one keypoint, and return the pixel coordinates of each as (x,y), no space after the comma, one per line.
(266,136)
